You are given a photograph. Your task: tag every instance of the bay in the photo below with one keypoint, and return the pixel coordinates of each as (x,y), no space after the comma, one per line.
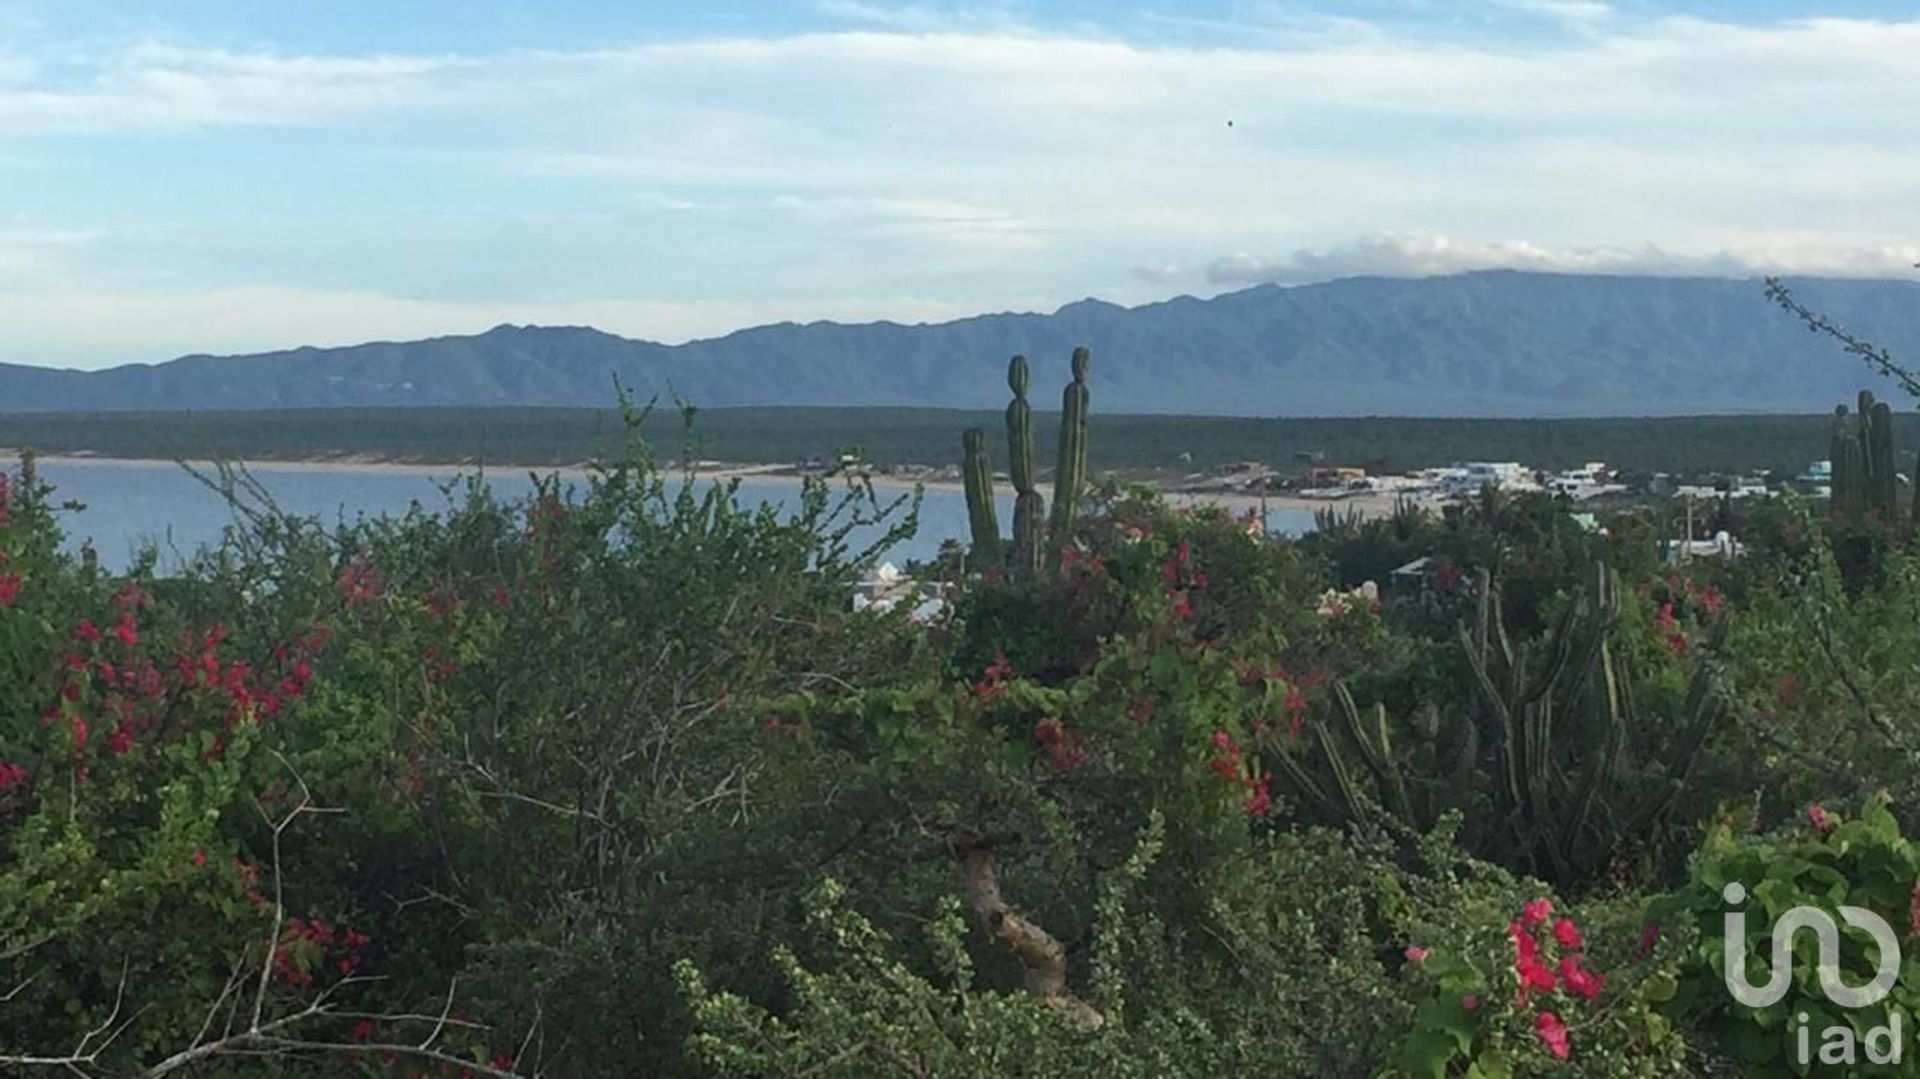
(130,503)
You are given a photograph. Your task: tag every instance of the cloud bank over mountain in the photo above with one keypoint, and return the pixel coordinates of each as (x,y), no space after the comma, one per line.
(671,174)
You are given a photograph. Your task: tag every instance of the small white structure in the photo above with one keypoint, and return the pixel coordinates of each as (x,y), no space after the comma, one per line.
(1469,478)
(889,588)
(1721,545)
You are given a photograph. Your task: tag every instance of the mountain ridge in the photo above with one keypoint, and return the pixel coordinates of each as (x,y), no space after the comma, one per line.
(1489,343)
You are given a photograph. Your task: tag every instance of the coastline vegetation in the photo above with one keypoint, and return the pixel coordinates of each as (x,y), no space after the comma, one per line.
(1143,445)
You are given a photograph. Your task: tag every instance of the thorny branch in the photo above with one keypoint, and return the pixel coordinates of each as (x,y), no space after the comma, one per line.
(265,1034)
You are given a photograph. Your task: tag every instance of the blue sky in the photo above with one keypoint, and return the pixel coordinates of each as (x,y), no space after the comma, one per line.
(218,175)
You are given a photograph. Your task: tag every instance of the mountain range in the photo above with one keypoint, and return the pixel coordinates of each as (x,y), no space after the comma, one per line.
(1496,343)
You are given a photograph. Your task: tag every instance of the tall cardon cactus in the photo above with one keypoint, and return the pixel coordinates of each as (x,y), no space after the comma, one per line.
(1028,507)
(1864,481)
(976,472)
(1070,473)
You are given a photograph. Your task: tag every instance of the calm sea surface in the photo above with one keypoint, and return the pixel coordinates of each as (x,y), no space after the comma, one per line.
(128,504)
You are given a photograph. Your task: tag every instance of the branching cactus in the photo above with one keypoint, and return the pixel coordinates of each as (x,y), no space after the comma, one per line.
(1551,762)
(1070,474)
(976,472)
(1026,554)
(1864,481)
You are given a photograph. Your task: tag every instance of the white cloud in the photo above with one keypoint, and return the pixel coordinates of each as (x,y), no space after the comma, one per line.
(953,160)
(1423,256)
(1574,11)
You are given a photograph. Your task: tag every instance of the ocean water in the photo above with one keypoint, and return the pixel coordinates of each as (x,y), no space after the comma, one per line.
(128,504)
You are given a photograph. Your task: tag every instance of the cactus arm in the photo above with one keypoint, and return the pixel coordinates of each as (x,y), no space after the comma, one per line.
(1357,805)
(1376,751)
(1070,469)
(1880,464)
(1490,697)
(1304,783)
(1029,509)
(976,472)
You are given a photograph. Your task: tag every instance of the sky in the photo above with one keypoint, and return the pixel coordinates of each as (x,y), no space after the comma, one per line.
(229,175)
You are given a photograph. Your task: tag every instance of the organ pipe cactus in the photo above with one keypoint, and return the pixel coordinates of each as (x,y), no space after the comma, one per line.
(976,472)
(1070,474)
(1024,556)
(1551,760)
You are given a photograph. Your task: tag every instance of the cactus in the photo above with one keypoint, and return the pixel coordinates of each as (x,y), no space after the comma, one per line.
(1549,784)
(1864,481)
(1028,507)
(1070,474)
(976,472)
(1025,555)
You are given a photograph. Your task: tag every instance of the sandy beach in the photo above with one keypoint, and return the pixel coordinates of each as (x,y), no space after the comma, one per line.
(1367,504)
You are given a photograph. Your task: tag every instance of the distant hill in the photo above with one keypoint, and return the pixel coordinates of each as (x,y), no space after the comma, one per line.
(1482,344)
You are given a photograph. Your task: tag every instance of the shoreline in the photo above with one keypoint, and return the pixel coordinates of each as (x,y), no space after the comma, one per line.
(1367,504)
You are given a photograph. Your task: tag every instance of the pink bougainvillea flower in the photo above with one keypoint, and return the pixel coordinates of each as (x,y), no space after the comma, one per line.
(1415,953)
(199,858)
(1536,910)
(1567,933)
(1552,1032)
(1665,619)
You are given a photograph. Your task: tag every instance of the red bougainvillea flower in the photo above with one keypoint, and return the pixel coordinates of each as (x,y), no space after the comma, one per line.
(9,588)
(126,630)
(1710,599)
(1567,933)
(1524,946)
(12,775)
(1678,644)
(1552,1032)
(1534,975)
(1470,1002)
(1665,619)
(1536,910)
(1821,820)
(199,859)
(1580,981)
(1648,935)
(1259,797)
(85,630)
(1415,953)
